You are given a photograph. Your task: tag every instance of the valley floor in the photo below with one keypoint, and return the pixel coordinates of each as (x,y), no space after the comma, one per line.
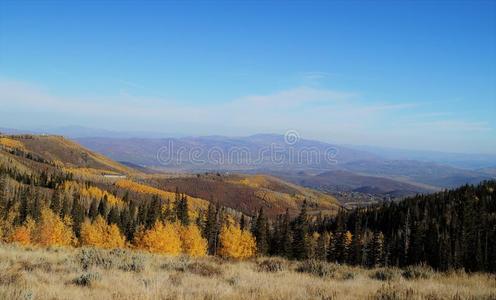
(32,273)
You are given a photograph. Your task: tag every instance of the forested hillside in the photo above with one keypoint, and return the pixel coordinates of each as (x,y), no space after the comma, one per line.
(446,230)
(47,203)
(53,192)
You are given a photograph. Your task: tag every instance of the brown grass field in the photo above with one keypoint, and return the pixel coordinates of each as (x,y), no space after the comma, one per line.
(54,273)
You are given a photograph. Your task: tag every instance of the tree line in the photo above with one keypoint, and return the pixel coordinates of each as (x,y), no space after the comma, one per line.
(446,230)
(81,214)
(452,229)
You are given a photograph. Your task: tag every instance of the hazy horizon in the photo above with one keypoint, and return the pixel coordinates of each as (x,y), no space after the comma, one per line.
(81,132)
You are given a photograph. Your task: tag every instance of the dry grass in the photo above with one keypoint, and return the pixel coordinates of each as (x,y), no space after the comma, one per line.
(27,273)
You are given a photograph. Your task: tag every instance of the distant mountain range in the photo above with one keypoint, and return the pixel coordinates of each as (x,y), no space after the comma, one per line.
(459,160)
(327,167)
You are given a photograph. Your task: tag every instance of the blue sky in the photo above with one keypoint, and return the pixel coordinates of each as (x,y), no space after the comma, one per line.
(418,75)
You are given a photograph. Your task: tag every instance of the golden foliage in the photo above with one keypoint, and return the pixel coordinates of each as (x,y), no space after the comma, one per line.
(193,244)
(236,243)
(96,193)
(53,231)
(347,239)
(22,234)
(161,238)
(6,225)
(100,234)
(89,171)
(91,192)
(145,189)
(11,143)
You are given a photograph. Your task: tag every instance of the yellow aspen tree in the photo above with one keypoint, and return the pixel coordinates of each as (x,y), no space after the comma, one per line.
(236,243)
(100,234)
(347,239)
(161,238)
(193,243)
(22,234)
(248,244)
(6,227)
(89,234)
(53,231)
(115,237)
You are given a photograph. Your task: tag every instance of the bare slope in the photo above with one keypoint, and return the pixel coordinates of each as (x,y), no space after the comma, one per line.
(247,193)
(59,150)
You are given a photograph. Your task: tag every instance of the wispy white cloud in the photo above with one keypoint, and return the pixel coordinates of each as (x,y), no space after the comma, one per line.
(295,97)
(340,116)
(453,125)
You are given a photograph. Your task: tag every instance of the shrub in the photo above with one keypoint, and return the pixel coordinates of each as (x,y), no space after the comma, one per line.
(390,292)
(418,272)
(87,279)
(233,281)
(38,263)
(135,263)
(176,279)
(272,265)
(203,269)
(117,258)
(176,264)
(348,275)
(317,268)
(385,274)
(11,277)
(94,257)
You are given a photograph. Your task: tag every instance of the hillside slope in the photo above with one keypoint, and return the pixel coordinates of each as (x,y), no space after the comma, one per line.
(243,193)
(247,193)
(61,151)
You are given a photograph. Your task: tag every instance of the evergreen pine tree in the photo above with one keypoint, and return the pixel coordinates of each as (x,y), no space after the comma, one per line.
(300,242)
(182,210)
(55,204)
(376,250)
(242,222)
(114,216)
(35,210)
(103,207)
(355,257)
(77,214)
(210,230)
(66,206)
(260,233)
(24,207)
(321,249)
(154,212)
(93,211)
(142,214)
(286,240)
